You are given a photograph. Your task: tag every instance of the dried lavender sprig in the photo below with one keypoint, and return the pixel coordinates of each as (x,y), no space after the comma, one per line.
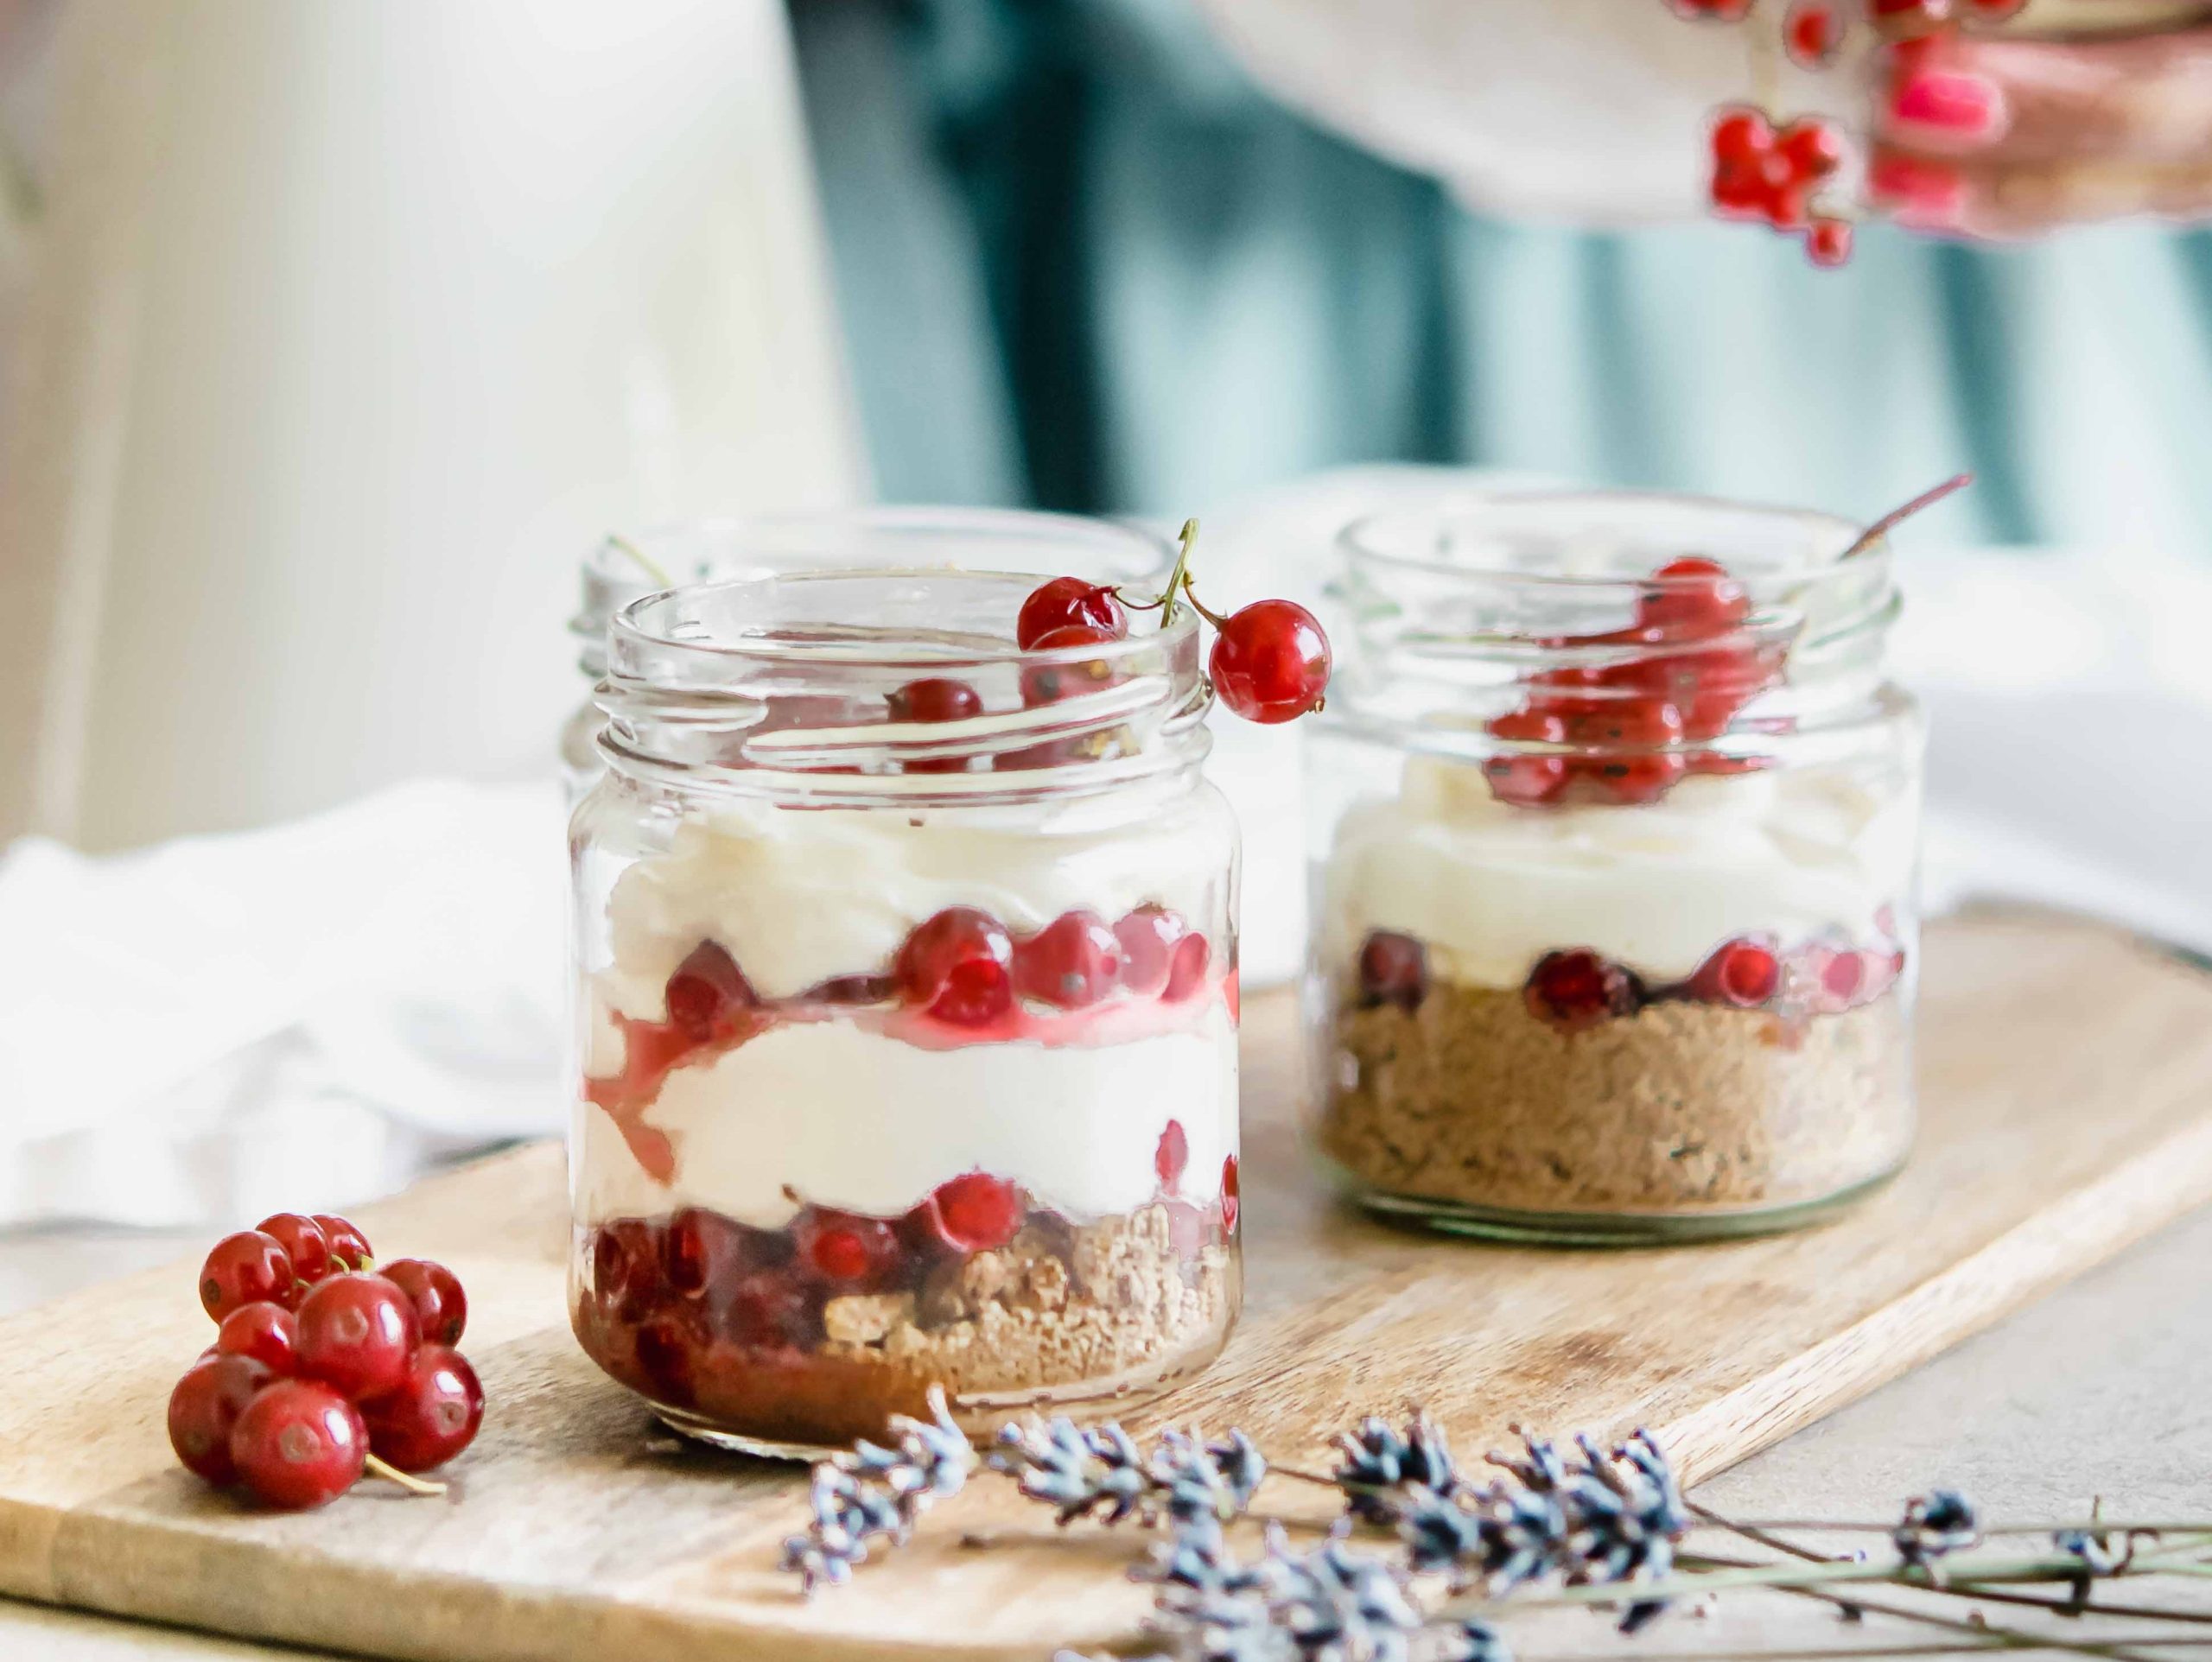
(876,1494)
(1099,1472)
(1381,1466)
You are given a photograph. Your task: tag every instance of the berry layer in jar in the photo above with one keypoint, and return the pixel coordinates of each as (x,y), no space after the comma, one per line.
(849,1022)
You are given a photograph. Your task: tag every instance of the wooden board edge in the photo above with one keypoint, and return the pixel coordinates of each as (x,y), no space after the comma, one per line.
(2094,1225)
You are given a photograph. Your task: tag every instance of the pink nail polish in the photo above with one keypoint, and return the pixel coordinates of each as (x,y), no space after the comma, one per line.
(1950,100)
(1920,194)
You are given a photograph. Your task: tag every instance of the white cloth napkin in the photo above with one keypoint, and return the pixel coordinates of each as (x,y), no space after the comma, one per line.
(301,1017)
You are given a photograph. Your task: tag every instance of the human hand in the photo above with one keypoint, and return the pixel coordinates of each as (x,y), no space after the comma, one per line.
(1987,136)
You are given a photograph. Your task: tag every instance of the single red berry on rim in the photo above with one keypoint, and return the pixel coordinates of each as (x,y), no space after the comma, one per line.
(267,1332)
(299,1444)
(959,966)
(204,1408)
(244,1269)
(1068,601)
(430,1416)
(1270,662)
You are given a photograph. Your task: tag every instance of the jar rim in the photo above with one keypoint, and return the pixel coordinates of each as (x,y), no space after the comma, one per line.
(1361,541)
(637,628)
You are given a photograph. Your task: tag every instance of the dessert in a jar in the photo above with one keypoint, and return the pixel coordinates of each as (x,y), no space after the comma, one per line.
(626,567)
(1617,813)
(906,986)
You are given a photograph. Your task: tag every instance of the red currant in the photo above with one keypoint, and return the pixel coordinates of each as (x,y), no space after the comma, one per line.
(1647,726)
(702,1250)
(1528,781)
(349,1248)
(303,1243)
(1393,969)
(1186,975)
(1693,596)
(243,1269)
(356,1332)
(1147,938)
(1812,31)
(1229,1206)
(267,1332)
(1745,972)
(299,1444)
(1270,662)
(441,1306)
(1828,242)
(845,1248)
(706,993)
(430,1416)
(1173,1154)
(1073,961)
(1577,989)
(1067,602)
(975,1212)
(1048,683)
(203,1408)
(959,966)
(625,1268)
(936,700)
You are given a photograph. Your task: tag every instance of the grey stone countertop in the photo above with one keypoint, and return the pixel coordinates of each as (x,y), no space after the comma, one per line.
(2099,1390)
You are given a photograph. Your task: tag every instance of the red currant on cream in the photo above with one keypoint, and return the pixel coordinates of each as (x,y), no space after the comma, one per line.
(706,993)
(958,967)
(1270,662)
(1173,1154)
(1149,937)
(1073,961)
(975,1213)
(1745,972)
(1577,989)
(1187,975)
(1068,601)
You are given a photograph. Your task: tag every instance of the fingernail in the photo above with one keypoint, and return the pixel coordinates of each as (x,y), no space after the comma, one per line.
(1917,193)
(1950,101)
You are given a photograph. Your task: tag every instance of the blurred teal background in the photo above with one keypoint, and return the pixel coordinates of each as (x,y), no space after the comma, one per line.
(1083,263)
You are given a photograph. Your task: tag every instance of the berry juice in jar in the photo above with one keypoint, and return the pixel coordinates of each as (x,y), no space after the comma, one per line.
(907,991)
(1616,822)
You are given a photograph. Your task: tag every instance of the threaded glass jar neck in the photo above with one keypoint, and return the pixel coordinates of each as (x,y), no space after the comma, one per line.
(1456,616)
(809,687)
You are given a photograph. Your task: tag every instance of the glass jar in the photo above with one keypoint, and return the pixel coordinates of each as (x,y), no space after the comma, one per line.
(1614,929)
(907,1003)
(621,569)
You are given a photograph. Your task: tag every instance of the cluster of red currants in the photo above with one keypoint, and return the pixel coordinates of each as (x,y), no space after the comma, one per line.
(1688,667)
(1771,170)
(1270,659)
(322,1367)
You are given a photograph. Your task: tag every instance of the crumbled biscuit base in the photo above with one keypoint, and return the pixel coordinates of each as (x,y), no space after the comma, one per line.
(1681,1108)
(1114,1296)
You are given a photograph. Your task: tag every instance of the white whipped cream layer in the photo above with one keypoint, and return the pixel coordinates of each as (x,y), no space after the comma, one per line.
(834,1114)
(1491,888)
(798,895)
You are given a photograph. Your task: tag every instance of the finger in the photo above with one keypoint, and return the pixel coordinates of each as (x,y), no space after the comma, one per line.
(1976,199)
(2145,100)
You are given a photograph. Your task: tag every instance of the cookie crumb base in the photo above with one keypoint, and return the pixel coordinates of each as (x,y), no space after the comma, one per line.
(1470,1113)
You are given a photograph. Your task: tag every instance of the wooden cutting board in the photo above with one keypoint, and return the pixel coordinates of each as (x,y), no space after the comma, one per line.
(2067,1075)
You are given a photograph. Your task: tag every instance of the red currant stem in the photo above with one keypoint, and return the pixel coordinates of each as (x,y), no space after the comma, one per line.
(1178,581)
(1889,522)
(407,1481)
(644,562)
(1190,593)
